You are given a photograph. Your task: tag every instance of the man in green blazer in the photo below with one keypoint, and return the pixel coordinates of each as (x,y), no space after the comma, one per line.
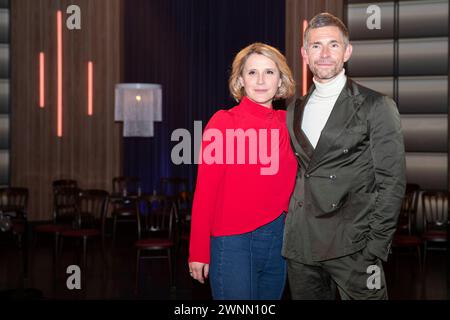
(350,180)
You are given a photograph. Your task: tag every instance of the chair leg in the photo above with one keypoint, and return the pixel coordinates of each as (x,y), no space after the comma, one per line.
(171,271)
(136,285)
(19,241)
(60,246)
(34,236)
(419,258)
(32,247)
(84,262)
(58,252)
(105,261)
(396,260)
(114,231)
(55,253)
(425,248)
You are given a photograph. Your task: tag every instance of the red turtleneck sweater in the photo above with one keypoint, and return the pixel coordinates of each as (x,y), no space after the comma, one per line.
(235,198)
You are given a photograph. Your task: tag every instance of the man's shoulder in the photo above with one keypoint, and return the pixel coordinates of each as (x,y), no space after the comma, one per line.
(376,103)
(371,96)
(368,92)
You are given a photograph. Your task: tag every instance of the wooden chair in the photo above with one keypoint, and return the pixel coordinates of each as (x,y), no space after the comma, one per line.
(64,183)
(184,211)
(406,234)
(435,219)
(91,214)
(173,186)
(156,218)
(124,185)
(13,204)
(14,200)
(125,190)
(65,206)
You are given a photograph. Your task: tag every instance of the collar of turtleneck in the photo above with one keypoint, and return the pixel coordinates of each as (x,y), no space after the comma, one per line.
(256,109)
(332,87)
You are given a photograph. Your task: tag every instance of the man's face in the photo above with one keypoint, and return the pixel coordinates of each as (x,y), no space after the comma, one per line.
(326,53)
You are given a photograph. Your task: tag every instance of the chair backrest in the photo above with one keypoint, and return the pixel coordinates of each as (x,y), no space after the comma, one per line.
(156,215)
(408,211)
(125,184)
(92,207)
(435,210)
(65,204)
(184,205)
(14,201)
(173,186)
(64,183)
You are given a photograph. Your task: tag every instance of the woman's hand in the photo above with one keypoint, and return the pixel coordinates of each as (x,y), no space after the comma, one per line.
(199,271)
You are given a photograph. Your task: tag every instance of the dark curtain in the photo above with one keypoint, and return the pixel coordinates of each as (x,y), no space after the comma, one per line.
(187,46)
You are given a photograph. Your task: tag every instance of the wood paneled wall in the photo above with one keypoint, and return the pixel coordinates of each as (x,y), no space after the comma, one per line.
(90,148)
(296,12)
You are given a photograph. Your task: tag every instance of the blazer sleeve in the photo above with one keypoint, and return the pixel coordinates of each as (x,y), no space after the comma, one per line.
(388,155)
(209,178)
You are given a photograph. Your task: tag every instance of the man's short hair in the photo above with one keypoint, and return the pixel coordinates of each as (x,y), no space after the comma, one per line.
(326,19)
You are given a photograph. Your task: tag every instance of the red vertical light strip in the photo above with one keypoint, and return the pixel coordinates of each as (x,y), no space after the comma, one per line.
(90,87)
(90,94)
(41,80)
(304,66)
(60,72)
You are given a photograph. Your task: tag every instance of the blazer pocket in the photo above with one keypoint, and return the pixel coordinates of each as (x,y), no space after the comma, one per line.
(359,204)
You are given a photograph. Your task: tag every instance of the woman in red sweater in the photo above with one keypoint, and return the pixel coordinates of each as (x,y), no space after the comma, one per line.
(246,175)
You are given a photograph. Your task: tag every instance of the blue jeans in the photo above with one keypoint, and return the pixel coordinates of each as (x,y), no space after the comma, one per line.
(249,266)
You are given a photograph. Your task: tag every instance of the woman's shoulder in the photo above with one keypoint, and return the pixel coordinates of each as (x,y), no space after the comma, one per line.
(281,115)
(221,119)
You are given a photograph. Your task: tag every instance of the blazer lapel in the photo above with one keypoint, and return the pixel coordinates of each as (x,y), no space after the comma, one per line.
(301,142)
(345,107)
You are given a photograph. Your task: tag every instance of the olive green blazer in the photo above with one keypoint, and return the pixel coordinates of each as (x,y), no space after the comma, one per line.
(349,188)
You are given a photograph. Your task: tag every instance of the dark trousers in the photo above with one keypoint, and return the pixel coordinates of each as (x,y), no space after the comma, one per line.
(358,276)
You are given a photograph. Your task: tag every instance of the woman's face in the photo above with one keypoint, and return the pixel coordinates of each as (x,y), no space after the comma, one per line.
(260,79)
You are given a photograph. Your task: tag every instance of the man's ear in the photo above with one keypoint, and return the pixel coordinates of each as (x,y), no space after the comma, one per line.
(304,55)
(348,52)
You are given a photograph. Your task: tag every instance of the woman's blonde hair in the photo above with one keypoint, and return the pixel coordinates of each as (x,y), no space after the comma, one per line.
(287,88)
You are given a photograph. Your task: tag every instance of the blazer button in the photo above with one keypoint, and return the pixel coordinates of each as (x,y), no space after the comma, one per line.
(297,154)
(345,150)
(332,177)
(300,204)
(307,175)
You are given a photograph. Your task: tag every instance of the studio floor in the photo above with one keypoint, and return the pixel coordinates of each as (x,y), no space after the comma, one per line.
(116,278)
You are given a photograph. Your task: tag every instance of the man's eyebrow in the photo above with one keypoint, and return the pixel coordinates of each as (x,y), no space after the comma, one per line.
(331,41)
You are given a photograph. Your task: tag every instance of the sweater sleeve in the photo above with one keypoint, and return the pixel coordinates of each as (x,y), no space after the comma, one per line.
(209,177)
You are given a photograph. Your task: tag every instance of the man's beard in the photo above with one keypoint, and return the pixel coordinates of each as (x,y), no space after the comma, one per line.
(326,74)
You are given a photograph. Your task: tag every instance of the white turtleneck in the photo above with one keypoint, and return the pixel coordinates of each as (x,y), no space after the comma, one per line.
(319,106)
